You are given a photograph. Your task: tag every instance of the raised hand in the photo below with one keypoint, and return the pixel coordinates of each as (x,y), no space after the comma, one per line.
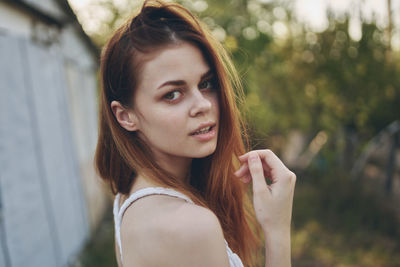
(272,203)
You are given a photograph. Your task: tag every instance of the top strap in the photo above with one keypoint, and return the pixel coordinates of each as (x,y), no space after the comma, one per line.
(119,212)
(234,260)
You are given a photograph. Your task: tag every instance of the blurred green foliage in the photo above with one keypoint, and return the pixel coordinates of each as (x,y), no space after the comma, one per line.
(336,223)
(100,250)
(299,79)
(306,80)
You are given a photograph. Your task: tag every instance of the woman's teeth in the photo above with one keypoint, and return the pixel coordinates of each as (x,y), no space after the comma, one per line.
(204,130)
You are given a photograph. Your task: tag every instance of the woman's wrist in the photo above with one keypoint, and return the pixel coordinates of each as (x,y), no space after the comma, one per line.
(276,230)
(280,235)
(277,247)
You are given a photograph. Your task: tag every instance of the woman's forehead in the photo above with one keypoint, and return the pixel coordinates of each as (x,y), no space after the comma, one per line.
(178,62)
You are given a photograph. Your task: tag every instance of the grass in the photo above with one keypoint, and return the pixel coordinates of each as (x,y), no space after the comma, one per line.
(99,251)
(336,223)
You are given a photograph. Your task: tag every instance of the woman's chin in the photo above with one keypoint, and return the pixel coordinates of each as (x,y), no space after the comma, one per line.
(205,153)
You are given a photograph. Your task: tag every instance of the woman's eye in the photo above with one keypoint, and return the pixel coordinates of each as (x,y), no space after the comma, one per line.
(171,96)
(207,84)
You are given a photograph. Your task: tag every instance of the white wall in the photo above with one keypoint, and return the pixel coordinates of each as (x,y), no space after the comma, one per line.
(50,197)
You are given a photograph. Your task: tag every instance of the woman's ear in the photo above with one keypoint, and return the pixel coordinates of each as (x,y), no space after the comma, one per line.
(125,117)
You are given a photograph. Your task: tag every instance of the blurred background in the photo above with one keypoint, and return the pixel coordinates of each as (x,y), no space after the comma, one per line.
(322,85)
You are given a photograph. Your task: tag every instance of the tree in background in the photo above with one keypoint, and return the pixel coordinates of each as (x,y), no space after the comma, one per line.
(294,78)
(335,92)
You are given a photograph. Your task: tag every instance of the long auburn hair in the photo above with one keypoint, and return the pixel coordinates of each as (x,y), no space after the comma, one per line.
(121,153)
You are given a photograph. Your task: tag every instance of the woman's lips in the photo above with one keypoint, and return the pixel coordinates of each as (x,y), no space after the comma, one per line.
(205,136)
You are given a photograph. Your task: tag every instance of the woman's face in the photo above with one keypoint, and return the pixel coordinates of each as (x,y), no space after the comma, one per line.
(176,98)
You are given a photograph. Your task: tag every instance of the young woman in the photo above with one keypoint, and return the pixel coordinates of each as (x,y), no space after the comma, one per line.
(171,146)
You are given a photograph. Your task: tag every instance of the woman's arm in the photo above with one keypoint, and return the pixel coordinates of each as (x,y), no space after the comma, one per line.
(277,248)
(272,203)
(187,235)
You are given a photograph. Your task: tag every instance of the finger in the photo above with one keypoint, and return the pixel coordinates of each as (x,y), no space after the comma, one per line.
(273,163)
(244,157)
(245,179)
(257,172)
(246,176)
(245,172)
(280,174)
(242,170)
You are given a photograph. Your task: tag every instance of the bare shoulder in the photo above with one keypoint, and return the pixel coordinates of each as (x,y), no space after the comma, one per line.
(176,233)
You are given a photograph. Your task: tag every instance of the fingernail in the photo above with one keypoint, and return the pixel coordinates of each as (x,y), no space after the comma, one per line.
(253,157)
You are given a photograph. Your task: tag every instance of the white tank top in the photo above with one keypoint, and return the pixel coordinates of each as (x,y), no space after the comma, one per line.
(234,259)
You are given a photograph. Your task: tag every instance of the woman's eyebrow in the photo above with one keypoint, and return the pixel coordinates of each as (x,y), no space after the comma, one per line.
(182,82)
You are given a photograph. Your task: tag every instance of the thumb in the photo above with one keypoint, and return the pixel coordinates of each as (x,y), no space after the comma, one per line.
(257,173)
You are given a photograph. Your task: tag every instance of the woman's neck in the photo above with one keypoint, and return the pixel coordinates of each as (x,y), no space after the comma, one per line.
(178,167)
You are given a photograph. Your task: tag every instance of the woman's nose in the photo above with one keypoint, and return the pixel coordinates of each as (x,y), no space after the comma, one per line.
(200,104)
